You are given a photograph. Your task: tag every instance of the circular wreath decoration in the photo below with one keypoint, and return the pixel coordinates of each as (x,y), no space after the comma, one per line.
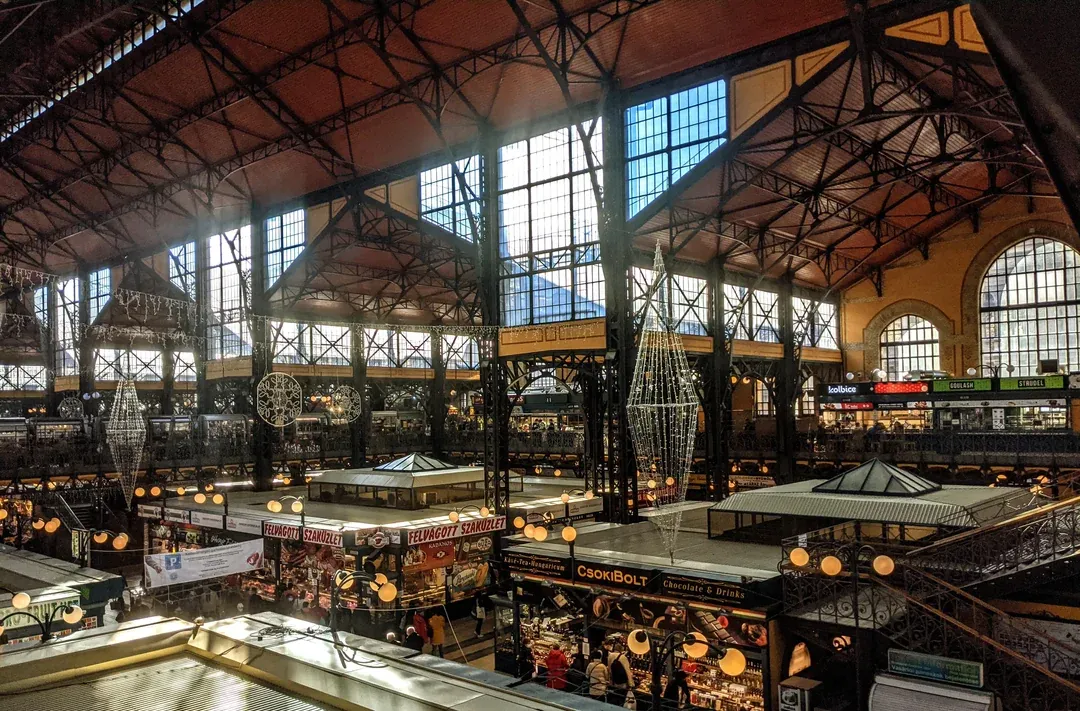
(70,408)
(348,399)
(278,397)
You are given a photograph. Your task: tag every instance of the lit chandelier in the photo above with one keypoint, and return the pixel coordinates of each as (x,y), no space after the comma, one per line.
(662,410)
(126,435)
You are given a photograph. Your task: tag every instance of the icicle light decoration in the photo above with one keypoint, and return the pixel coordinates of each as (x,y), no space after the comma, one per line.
(126,435)
(662,409)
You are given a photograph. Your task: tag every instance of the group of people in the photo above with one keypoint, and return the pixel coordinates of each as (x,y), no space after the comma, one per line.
(608,677)
(422,629)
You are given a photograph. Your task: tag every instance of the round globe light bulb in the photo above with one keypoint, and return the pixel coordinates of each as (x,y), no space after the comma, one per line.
(764,468)
(569,534)
(558,472)
(565,498)
(484,512)
(733,663)
(52,526)
(698,648)
(347,583)
(287,480)
(381,579)
(529,530)
(651,483)
(799,557)
(388,592)
(73,615)
(831,565)
(670,481)
(541,533)
(519,522)
(140,492)
(120,542)
(638,642)
(200,498)
(454,517)
(38,524)
(101,537)
(20,601)
(274,506)
(589,494)
(218,499)
(209,486)
(884,565)
(180,491)
(297,507)
(3,514)
(155,491)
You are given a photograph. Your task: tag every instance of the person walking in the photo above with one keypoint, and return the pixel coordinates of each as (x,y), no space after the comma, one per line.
(480,613)
(557,665)
(420,623)
(413,640)
(598,676)
(437,630)
(621,678)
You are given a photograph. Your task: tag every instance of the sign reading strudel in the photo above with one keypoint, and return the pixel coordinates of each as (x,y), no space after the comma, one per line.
(320,536)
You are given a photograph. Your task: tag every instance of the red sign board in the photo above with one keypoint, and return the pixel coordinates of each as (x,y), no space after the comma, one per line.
(491,524)
(320,536)
(902,388)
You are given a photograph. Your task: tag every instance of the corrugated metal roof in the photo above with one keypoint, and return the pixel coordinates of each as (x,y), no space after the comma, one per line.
(177,683)
(400,479)
(955,505)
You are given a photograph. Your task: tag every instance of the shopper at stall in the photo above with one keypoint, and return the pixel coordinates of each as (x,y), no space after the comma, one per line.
(598,676)
(576,680)
(437,626)
(677,691)
(557,665)
(621,677)
(421,625)
(480,613)
(413,640)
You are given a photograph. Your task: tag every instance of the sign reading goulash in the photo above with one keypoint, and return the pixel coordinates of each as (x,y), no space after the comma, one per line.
(491,524)
(320,536)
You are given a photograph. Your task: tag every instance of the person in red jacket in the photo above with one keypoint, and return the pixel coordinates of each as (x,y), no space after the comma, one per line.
(556,668)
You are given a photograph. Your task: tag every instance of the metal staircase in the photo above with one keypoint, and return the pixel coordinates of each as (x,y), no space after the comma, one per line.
(915,609)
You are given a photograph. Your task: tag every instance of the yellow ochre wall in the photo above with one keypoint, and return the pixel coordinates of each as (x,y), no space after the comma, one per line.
(944,289)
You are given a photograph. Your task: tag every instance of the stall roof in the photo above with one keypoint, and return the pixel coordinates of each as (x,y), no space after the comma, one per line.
(26,570)
(960,506)
(414,471)
(877,478)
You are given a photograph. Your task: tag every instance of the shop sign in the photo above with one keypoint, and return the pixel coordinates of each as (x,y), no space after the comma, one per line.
(491,524)
(613,576)
(1042,382)
(846,389)
(42,610)
(682,587)
(244,525)
(149,511)
(749,481)
(955,386)
(207,520)
(428,556)
(377,539)
(968,404)
(847,406)
(905,387)
(474,547)
(177,515)
(318,536)
(547,566)
(933,668)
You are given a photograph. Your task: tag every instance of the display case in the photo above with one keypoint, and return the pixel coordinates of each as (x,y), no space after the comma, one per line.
(171,437)
(57,429)
(710,687)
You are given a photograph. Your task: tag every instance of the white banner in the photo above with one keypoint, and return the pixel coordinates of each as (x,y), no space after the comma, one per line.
(244,525)
(187,567)
(206,520)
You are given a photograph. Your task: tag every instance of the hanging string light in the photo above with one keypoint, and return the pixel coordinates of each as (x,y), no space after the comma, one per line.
(126,436)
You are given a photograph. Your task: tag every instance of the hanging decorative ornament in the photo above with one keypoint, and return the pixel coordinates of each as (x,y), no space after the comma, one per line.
(70,408)
(662,410)
(348,399)
(278,398)
(126,435)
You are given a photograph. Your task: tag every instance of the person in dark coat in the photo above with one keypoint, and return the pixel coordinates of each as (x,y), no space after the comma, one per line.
(413,640)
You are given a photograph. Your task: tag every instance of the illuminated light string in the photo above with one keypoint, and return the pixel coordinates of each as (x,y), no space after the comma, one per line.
(662,410)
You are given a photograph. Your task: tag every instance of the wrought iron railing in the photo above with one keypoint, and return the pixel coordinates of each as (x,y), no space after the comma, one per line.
(1037,537)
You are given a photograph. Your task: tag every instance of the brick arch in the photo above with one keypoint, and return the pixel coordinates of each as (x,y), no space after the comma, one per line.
(914,307)
(980,263)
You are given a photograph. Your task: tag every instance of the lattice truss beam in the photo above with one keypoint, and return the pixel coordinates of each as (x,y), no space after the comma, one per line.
(929,143)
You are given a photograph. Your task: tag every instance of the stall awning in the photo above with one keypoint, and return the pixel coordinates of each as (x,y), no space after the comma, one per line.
(414,471)
(24,570)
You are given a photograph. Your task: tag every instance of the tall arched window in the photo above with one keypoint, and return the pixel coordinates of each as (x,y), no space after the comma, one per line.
(1029,304)
(909,343)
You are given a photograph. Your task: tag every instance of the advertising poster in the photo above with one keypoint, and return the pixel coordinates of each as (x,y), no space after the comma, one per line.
(427,556)
(190,566)
(467,577)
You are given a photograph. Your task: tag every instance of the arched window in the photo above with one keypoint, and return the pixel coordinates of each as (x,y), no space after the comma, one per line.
(1028,306)
(909,343)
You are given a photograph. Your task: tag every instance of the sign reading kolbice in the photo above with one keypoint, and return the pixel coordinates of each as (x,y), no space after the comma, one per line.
(190,566)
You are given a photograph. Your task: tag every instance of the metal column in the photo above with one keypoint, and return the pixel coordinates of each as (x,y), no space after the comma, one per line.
(718,389)
(203,394)
(361,426)
(261,352)
(437,398)
(621,490)
(786,388)
(84,345)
